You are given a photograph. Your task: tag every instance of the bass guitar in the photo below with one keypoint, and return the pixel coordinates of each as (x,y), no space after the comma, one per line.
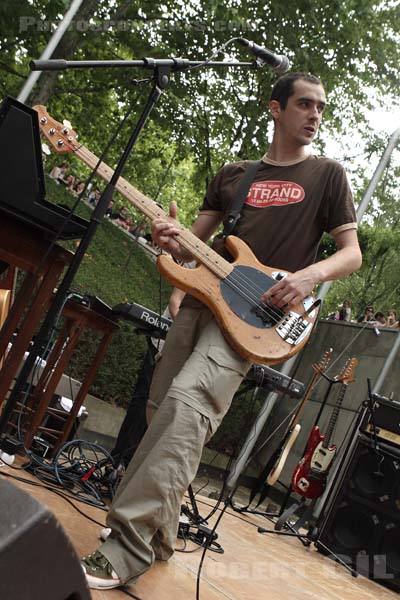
(258,331)
(309,477)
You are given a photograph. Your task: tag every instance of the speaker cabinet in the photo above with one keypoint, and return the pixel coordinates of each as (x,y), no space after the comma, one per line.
(362,523)
(36,558)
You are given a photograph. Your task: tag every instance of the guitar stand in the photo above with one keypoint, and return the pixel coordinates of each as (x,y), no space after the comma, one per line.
(192,513)
(203,536)
(307,538)
(283,523)
(317,542)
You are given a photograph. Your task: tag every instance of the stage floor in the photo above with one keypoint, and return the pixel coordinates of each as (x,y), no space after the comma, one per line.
(252,566)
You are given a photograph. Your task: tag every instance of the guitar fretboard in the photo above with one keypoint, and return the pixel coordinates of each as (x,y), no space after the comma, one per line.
(334,416)
(199,250)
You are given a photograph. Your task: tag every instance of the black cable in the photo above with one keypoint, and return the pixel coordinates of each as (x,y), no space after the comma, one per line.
(83,473)
(57,492)
(232,515)
(128,593)
(206,547)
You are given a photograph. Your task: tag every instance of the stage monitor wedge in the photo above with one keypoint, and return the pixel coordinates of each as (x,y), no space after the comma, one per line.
(37,559)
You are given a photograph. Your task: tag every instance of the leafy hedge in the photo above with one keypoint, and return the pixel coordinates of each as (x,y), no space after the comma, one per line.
(116,269)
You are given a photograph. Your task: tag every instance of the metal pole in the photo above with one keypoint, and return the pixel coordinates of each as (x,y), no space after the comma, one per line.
(387,366)
(245,453)
(368,194)
(51,46)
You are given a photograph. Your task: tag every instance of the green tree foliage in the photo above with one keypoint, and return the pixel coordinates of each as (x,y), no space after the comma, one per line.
(208,117)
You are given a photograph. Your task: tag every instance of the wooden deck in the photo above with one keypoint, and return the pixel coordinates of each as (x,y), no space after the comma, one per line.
(252,566)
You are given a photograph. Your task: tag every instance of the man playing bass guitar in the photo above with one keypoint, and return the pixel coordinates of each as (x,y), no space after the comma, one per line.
(295,197)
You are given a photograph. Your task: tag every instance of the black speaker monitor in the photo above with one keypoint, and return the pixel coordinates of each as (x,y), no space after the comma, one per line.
(37,559)
(362,523)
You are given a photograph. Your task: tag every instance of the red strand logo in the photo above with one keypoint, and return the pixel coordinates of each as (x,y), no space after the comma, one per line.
(274,193)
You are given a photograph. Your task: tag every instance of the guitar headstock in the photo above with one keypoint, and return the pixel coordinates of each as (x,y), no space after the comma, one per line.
(347,374)
(323,363)
(61,136)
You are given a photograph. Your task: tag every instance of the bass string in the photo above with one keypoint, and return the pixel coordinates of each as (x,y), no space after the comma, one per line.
(241,284)
(273,310)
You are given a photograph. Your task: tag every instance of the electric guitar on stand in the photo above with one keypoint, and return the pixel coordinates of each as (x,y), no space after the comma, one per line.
(280,455)
(258,331)
(309,477)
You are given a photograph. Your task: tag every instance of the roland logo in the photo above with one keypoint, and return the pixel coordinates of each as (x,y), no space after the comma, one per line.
(154,320)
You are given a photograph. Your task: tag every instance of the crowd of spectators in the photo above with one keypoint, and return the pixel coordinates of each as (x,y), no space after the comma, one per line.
(370,316)
(121,217)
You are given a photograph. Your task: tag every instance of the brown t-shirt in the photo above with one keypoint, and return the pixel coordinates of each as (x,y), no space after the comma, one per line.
(287,210)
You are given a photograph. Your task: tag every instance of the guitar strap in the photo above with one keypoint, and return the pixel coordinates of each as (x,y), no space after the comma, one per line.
(241,195)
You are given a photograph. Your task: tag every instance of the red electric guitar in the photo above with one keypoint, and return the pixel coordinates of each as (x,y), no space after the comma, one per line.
(309,477)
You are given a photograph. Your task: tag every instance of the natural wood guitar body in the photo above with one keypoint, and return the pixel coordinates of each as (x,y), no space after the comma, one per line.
(261,345)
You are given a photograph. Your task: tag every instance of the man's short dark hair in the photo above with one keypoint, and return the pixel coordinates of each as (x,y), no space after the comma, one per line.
(284,87)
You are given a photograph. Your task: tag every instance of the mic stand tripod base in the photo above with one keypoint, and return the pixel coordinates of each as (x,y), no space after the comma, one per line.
(328,551)
(283,522)
(293,533)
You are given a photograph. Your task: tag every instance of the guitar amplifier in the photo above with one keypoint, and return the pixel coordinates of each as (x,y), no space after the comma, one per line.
(386,418)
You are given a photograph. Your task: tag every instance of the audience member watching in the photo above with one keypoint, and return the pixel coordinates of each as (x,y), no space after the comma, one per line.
(69,181)
(392,319)
(344,313)
(94,197)
(58,172)
(367,316)
(124,220)
(379,319)
(78,187)
(139,230)
(109,210)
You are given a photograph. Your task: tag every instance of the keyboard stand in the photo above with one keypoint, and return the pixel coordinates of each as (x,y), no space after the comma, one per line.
(76,318)
(23,247)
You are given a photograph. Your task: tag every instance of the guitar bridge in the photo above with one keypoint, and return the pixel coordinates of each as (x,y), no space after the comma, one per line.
(293,328)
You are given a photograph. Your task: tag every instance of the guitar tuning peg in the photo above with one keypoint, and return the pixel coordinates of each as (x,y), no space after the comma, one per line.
(66,123)
(46,150)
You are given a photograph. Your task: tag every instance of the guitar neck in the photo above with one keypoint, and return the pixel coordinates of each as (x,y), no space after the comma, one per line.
(334,416)
(198,249)
(297,415)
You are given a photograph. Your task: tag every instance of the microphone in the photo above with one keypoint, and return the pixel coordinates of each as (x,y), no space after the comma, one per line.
(278,62)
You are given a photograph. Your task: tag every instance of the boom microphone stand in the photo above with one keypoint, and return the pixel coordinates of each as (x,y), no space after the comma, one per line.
(162,71)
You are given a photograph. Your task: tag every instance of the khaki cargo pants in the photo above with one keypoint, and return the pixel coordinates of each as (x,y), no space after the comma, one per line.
(192,389)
